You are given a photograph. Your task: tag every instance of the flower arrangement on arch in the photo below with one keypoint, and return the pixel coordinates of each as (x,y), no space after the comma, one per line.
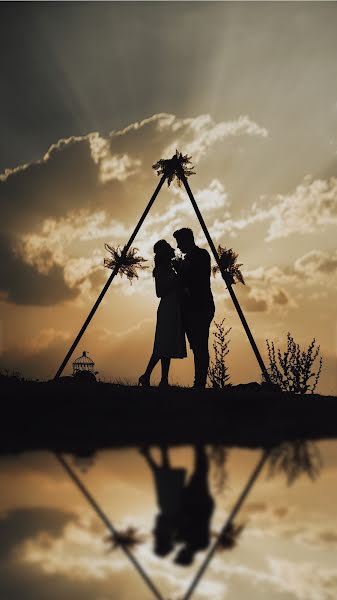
(129,538)
(174,167)
(127,263)
(229,267)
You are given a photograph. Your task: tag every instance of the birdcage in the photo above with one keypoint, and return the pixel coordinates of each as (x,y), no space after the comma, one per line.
(83,364)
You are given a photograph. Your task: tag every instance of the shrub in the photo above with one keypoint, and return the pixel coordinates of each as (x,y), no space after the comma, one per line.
(293,371)
(218,370)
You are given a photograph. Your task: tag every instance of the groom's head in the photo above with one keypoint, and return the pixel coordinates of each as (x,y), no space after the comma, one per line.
(185,239)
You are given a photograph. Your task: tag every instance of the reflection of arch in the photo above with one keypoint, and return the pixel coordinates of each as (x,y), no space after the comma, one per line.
(178,167)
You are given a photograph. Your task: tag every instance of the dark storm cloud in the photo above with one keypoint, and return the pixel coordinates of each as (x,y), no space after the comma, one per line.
(64,180)
(280,297)
(20,579)
(23,284)
(20,524)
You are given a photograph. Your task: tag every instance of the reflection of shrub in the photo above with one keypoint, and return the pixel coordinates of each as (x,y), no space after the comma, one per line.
(218,370)
(293,370)
(218,456)
(295,458)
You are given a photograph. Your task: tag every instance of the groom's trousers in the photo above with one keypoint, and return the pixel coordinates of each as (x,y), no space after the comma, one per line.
(197,324)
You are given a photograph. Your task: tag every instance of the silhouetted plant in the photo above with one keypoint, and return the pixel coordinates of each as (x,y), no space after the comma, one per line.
(129,538)
(218,370)
(7,375)
(230,268)
(174,167)
(293,370)
(295,458)
(127,263)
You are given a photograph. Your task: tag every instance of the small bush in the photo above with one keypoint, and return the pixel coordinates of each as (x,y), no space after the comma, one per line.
(293,370)
(218,370)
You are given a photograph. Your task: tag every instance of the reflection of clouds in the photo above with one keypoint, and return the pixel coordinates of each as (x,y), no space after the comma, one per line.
(317,537)
(19,524)
(80,553)
(303,580)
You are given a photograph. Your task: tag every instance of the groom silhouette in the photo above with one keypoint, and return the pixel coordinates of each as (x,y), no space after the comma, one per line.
(197,300)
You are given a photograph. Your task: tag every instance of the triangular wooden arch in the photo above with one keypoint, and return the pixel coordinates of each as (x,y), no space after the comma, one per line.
(129,554)
(169,169)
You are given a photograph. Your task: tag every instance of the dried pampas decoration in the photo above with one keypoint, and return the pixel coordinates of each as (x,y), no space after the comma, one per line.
(230,269)
(128,538)
(176,166)
(127,264)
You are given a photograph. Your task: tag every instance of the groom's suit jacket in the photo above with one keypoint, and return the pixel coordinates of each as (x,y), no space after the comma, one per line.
(195,274)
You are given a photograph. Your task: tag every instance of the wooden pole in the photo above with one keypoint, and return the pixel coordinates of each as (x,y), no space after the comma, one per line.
(229,286)
(107,523)
(112,276)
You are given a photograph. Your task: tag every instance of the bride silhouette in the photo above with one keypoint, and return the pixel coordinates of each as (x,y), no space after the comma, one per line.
(169,341)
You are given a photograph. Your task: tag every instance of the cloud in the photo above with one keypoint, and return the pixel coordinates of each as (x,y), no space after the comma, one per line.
(317,262)
(111,166)
(58,212)
(47,346)
(306,581)
(309,209)
(313,272)
(196,136)
(52,552)
(23,523)
(44,339)
(258,298)
(21,283)
(93,188)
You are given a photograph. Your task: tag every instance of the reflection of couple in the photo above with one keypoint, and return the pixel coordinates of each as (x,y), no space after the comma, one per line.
(185,510)
(186,306)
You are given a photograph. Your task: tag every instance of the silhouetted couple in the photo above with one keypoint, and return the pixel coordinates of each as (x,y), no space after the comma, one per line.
(186,306)
(185,511)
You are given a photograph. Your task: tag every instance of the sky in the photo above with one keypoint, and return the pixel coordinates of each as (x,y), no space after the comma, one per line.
(92,95)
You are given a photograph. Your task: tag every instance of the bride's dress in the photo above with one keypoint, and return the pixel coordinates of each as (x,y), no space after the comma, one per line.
(169,341)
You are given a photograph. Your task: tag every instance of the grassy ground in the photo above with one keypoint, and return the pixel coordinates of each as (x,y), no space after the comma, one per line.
(82,417)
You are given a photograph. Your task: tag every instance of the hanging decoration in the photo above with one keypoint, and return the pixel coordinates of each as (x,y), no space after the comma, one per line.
(128,537)
(229,267)
(126,263)
(176,166)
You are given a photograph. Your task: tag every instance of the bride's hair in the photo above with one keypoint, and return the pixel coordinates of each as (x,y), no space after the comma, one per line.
(162,253)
